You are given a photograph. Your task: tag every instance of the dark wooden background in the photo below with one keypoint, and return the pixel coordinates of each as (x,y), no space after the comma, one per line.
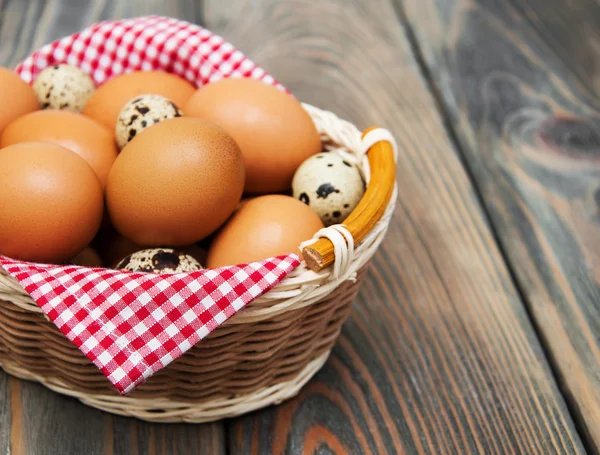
(477,330)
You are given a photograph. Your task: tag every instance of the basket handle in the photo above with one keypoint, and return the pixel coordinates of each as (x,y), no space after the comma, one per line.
(369,210)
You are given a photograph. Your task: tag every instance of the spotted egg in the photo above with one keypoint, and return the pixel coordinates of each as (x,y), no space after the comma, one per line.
(63,87)
(141,113)
(159,260)
(330,185)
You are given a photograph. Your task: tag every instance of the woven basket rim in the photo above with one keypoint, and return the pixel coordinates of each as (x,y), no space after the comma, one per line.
(168,411)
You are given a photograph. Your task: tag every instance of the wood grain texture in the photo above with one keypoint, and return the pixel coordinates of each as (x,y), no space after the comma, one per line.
(26,25)
(439,355)
(5,413)
(34,420)
(521,84)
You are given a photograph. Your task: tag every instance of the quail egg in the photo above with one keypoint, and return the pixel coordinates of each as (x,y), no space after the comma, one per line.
(63,87)
(141,113)
(159,260)
(330,185)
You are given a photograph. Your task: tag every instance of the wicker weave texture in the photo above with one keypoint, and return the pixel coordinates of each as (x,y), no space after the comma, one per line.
(233,360)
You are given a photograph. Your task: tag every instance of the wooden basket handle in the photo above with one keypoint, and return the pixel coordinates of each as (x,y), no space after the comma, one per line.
(369,210)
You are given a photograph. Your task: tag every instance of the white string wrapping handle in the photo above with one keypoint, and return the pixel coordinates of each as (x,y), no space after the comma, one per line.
(343,247)
(360,158)
(378,135)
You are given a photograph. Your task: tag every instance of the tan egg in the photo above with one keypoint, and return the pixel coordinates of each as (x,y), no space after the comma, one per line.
(87,138)
(272,129)
(329,185)
(18,98)
(63,87)
(263,227)
(51,201)
(108,100)
(141,113)
(87,257)
(176,183)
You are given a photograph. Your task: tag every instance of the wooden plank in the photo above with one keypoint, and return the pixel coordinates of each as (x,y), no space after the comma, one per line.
(439,355)
(26,25)
(36,420)
(5,414)
(519,81)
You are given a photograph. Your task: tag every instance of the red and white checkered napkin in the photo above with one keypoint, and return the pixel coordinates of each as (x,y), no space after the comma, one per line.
(133,324)
(146,43)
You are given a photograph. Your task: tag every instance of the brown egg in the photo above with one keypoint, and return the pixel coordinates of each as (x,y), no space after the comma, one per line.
(272,129)
(87,257)
(263,227)
(51,203)
(18,98)
(176,183)
(89,139)
(242,202)
(108,100)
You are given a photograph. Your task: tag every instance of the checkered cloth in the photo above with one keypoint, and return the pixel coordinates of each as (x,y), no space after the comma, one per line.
(131,325)
(147,43)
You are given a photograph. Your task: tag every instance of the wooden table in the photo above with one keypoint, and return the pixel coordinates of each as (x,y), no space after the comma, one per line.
(478,328)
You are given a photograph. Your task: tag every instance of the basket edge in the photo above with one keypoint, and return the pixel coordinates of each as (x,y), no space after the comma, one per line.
(181,412)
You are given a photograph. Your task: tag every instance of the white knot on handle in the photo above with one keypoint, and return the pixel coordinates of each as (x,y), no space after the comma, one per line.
(343,247)
(378,135)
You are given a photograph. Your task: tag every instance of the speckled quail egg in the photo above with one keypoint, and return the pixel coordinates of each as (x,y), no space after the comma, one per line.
(63,87)
(141,113)
(159,260)
(330,185)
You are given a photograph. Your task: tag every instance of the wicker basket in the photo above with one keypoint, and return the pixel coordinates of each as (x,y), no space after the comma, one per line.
(261,356)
